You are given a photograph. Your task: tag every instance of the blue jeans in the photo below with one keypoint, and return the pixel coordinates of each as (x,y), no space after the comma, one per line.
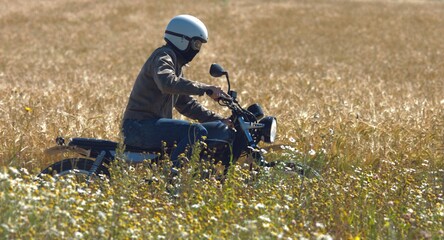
(151,133)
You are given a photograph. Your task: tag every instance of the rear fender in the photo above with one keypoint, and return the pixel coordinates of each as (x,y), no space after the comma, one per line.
(65,149)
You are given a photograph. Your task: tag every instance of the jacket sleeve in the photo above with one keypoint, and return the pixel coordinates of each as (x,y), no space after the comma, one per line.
(189,107)
(168,81)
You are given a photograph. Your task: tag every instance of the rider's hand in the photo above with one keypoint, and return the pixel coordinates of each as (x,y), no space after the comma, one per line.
(216,93)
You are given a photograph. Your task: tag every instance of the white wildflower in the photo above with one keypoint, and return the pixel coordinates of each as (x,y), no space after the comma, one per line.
(185,234)
(237,226)
(292,149)
(259,206)
(7,228)
(264,218)
(312,152)
(286,228)
(324,237)
(101,230)
(251,224)
(3,176)
(195,206)
(292,140)
(78,235)
(394,188)
(14,170)
(288,197)
(81,191)
(101,215)
(320,225)
(389,162)
(24,170)
(36,198)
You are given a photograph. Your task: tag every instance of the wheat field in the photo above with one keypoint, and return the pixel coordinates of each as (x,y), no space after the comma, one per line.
(357,88)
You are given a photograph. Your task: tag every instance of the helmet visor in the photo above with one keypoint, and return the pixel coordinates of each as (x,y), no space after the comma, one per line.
(196,44)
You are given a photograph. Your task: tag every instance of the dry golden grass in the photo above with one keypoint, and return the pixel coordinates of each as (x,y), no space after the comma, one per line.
(370,71)
(361,81)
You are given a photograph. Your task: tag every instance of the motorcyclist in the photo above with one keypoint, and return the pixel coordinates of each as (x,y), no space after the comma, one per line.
(161,86)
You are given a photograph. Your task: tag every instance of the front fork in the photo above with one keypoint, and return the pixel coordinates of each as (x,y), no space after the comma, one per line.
(253,150)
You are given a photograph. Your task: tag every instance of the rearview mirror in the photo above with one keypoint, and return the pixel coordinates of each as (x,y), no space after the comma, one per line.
(217,71)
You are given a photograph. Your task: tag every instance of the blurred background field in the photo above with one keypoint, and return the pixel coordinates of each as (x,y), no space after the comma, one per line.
(354,85)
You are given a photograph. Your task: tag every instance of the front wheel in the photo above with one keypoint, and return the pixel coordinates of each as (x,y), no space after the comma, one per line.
(77,167)
(303,170)
(300,169)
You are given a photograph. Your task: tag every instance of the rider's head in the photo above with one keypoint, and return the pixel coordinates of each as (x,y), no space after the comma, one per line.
(186,34)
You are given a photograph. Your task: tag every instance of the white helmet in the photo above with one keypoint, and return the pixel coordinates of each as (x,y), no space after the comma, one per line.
(183,29)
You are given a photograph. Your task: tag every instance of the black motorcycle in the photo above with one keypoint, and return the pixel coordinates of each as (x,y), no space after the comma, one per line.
(251,126)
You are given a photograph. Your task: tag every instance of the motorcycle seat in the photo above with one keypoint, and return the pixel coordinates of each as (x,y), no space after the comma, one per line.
(97,145)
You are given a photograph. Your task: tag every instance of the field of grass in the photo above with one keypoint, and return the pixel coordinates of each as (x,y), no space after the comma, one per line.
(357,87)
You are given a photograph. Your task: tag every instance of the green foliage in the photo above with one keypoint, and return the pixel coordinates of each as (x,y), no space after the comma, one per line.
(144,201)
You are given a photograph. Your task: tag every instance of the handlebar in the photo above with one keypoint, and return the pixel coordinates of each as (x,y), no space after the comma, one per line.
(230,102)
(226,97)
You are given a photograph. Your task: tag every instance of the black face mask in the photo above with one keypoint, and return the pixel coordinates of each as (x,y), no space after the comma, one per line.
(189,54)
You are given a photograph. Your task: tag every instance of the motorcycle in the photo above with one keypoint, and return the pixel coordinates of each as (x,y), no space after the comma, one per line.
(251,126)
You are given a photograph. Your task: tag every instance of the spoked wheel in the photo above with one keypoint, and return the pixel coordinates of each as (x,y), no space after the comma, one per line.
(77,168)
(300,169)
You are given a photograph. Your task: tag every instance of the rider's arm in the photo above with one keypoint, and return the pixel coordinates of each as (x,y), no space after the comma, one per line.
(189,107)
(168,81)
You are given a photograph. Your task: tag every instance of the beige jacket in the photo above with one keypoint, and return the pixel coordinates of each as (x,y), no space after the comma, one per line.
(160,87)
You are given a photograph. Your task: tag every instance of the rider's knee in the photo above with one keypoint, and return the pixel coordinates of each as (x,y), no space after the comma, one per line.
(198,130)
(221,133)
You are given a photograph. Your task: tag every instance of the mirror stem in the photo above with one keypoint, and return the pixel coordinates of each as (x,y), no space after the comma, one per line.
(228,80)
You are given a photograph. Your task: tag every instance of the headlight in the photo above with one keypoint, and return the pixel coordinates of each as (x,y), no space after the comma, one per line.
(269,131)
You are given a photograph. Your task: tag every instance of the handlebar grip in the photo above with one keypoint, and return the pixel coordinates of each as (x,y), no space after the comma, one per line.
(210,92)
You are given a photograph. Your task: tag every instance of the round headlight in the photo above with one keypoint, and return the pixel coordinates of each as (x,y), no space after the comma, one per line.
(269,131)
